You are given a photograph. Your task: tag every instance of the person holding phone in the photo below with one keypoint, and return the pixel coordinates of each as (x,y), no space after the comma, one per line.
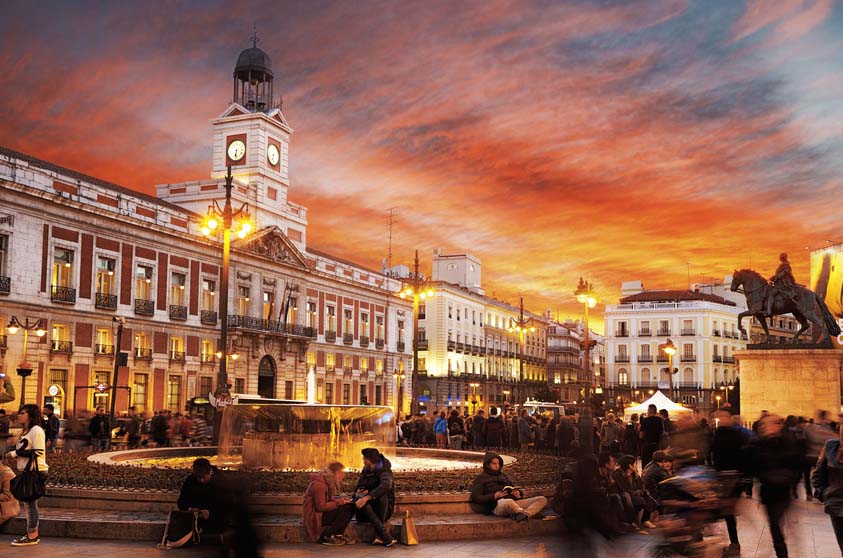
(325,513)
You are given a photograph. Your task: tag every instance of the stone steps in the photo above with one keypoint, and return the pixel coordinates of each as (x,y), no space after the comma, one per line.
(149,526)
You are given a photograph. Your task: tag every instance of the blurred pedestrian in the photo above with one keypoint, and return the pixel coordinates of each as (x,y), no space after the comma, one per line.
(478,428)
(440,430)
(52,425)
(728,452)
(100,429)
(456,430)
(827,481)
(650,434)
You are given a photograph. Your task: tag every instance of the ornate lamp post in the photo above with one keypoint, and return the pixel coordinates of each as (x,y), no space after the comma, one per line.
(224,216)
(24,369)
(474,386)
(669,349)
(586,296)
(417,287)
(522,325)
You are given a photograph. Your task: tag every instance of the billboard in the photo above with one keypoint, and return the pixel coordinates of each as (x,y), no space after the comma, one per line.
(827,277)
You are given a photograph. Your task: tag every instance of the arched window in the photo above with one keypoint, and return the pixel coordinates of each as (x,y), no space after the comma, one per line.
(688,377)
(623,377)
(716,377)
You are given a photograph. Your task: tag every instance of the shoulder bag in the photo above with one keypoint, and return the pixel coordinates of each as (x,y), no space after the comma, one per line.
(30,485)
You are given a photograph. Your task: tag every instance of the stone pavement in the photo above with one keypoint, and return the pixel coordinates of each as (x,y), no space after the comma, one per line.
(808,532)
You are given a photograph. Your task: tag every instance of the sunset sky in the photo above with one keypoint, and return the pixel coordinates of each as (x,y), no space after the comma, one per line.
(616,140)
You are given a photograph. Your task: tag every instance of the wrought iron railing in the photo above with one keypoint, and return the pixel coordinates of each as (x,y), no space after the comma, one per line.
(421,344)
(208,317)
(347,338)
(379,343)
(689,332)
(63,294)
(144,307)
(5,285)
(364,341)
(105,301)
(177,356)
(401,347)
(61,346)
(271,326)
(330,336)
(102,349)
(178,312)
(208,358)
(143,353)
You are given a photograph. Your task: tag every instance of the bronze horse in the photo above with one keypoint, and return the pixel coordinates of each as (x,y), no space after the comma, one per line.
(756,289)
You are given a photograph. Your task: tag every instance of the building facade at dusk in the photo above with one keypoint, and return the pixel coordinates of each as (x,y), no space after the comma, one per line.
(75,252)
(468,357)
(566,372)
(702,326)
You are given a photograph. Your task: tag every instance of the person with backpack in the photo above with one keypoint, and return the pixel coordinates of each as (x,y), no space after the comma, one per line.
(456,429)
(495,429)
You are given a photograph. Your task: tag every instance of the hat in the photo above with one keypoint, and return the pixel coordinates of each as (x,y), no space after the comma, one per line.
(372,454)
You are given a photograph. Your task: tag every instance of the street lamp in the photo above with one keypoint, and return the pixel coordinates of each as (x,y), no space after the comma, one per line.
(522,325)
(225,217)
(417,287)
(669,349)
(587,297)
(24,369)
(399,378)
(718,401)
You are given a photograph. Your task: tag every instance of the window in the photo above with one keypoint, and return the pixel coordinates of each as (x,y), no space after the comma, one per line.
(688,350)
(423,363)
(329,393)
(622,351)
(177,282)
(58,377)
(378,395)
(209,292)
(379,327)
(664,327)
(292,310)
(174,393)
(364,400)
(4,250)
(364,365)
(243,299)
(379,367)
(331,318)
(208,350)
(364,324)
(330,363)
(311,314)
(268,305)
(311,359)
(688,377)
(645,327)
(60,333)
(176,348)
(204,386)
(347,322)
(450,312)
(240,385)
(105,275)
(622,331)
(288,389)
(104,346)
(346,363)
(473,317)
(62,267)
(645,351)
(143,282)
(400,331)
(346,394)
(139,391)
(101,397)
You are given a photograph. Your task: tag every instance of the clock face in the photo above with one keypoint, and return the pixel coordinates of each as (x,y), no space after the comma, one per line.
(272,154)
(236,150)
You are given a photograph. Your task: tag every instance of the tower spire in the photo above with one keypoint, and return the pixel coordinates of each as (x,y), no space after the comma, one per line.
(254,36)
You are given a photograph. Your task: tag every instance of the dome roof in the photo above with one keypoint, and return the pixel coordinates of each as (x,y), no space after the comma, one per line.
(255,60)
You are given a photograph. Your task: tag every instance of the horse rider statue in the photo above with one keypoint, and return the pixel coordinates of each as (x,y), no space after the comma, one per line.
(782,282)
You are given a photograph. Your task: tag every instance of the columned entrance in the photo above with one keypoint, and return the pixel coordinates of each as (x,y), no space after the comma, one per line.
(266,377)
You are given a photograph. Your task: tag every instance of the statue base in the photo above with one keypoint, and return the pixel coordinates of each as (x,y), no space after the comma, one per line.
(789,381)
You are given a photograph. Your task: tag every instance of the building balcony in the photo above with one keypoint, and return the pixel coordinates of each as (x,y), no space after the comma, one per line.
(208,317)
(64,295)
(727,334)
(460,347)
(401,347)
(687,332)
(177,356)
(347,370)
(421,344)
(143,353)
(664,332)
(208,358)
(622,358)
(61,347)
(661,358)
(716,333)
(623,333)
(271,327)
(422,315)
(645,333)
(648,358)
(364,341)
(105,301)
(5,285)
(101,349)
(451,345)
(178,312)
(330,336)
(717,358)
(728,360)
(348,338)
(379,343)
(689,358)
(144,307)
(743,337)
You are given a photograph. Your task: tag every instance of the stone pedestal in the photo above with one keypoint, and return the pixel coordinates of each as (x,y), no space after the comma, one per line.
(789,382)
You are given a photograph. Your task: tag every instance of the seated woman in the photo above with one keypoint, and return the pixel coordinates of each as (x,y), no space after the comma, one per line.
(635,499)
(325,514)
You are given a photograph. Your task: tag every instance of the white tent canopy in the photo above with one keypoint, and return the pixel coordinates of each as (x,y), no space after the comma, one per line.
(661,401)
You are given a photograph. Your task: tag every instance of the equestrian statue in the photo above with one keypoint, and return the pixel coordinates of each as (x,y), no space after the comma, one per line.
(782,295)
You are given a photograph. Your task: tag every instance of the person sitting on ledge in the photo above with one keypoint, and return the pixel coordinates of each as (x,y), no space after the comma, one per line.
(494,493)
(374,495)
(203,490)
(325,514)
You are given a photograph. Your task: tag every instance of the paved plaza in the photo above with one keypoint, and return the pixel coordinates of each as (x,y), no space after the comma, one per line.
(808,532)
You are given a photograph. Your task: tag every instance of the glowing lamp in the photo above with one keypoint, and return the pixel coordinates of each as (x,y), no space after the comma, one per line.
(40,332)
(402,295)
(205,230)
(582,298)
(219,354)
(592,302)
(234,356)
(212,223)
(423,296)
(13,329)
(430,292)
(242,233)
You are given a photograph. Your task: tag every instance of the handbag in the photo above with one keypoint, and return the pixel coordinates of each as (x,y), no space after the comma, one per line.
(409,535)
(182,530)
(30,485)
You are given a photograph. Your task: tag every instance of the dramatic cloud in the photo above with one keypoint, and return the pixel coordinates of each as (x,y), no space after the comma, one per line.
(613,140)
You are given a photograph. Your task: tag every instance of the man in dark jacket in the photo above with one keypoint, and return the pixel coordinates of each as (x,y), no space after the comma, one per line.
(478,428)
(52,425)
(204,490)
(495,429)
(494,493)
(727,451)
(374,494)
(100,429)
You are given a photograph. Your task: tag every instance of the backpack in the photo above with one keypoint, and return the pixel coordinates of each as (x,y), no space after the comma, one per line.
(182,530)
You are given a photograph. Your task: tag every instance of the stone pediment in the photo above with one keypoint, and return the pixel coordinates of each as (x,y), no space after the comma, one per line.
(272,244)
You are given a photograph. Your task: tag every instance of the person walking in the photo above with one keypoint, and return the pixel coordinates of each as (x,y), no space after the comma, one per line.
(32,445)
(727,452)
(650,434)
(133,428)
(440,430)
(100,430)
(827,480)
(52,425)
(478,427)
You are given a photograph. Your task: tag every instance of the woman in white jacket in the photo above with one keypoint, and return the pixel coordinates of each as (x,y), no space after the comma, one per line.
(31,444)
